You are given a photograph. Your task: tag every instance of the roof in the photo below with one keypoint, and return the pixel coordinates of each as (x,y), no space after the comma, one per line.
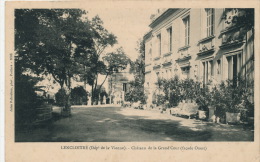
(147,35)
(162,16)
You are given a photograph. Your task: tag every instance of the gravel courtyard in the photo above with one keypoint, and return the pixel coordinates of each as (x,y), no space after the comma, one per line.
(115,124)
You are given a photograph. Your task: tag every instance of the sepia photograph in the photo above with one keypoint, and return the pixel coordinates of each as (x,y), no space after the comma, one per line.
(129,75)
(123,81)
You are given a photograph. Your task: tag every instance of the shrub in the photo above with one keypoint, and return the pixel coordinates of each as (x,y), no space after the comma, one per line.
(61,97)
(135,92)
(204,98)
(189,89)
(25,99)
(229,96)
(79,96)
(160,99)
(172,92)
(234,96)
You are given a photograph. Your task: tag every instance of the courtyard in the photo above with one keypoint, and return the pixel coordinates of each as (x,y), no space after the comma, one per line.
(116,124)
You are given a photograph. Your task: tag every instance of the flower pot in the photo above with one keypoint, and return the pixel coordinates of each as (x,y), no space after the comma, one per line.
(202,114)
(232,117)
(212,114)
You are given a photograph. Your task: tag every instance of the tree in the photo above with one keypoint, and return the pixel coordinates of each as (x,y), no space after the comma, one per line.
(91,69)
(51,41)
(137,91)
(112,62)
(79,95)
(138,66)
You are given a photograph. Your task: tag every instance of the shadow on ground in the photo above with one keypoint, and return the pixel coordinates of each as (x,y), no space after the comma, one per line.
(129,125)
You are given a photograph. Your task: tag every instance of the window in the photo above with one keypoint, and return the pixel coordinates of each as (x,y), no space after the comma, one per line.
(210,21)
(234,66)
(186,22)
(124,87)
(159,44)
(208,71)
(219,67)
(186,72)
(169,31)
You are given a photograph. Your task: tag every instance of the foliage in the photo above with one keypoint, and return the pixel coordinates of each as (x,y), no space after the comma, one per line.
(25,98)
(245,17)
(137,92)
(79,96)
(189,89)
(138,66)
(112,62)
(90,70)
(103,94)
(204,98)
(230,96)
(61,97)
(116,61)
(160,99)
(63,43)
(235,95)
(56,39)
(53,41)
(172,91)
(176,90)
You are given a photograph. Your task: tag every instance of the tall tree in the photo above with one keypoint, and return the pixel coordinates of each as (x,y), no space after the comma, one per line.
(102,39)
(136,92)
(111,63)
(51,41)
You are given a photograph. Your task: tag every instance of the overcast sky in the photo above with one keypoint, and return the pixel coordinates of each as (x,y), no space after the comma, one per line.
(128,24)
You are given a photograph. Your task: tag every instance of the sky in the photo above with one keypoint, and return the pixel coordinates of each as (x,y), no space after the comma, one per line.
(128,24)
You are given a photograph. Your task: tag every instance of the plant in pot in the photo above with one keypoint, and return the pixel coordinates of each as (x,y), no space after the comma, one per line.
(215,108)
(172,89)
(231,93)
(248,97)
(203,100)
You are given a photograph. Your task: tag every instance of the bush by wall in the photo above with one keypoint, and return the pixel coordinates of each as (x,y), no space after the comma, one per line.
(229,96)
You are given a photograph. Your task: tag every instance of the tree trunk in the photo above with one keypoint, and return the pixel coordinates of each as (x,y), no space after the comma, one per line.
(102,83)
(92,94)
(67,108)
(95,93)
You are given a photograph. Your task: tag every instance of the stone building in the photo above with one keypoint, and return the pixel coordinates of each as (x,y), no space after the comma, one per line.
(118,84)
(208,45)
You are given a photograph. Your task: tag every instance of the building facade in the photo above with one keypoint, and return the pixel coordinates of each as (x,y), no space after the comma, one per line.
(208,45)
(118,85)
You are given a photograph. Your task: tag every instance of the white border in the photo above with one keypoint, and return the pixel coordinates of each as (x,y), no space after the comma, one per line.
(2,85)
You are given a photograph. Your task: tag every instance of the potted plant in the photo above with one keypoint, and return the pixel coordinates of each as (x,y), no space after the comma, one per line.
(232,99)
(203,100)
(217,108)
